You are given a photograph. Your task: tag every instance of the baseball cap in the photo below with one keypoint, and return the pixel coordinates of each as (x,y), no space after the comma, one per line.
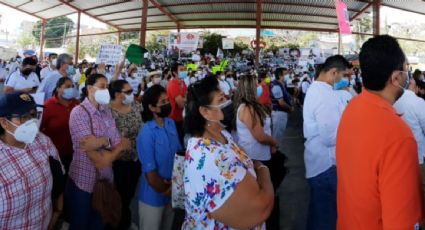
(29,53)
(17,104)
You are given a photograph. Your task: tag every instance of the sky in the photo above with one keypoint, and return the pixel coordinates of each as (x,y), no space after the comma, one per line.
(11,20)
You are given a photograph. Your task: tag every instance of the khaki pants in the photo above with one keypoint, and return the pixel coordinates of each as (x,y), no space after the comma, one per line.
(155,218)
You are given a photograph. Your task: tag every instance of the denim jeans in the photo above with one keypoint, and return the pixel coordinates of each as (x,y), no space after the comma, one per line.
(322,213)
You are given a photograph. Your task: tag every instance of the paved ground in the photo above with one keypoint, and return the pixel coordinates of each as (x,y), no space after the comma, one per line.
(294,190)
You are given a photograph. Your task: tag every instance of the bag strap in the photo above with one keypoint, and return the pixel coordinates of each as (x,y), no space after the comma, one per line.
(91,120)
(92,131)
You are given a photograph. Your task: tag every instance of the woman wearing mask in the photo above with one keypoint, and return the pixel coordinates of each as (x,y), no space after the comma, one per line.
(97,144)
(253,127)
(25,175)
(157,143)
(128,119)
(154,78)
(130,76)
(55,121)
(224,188)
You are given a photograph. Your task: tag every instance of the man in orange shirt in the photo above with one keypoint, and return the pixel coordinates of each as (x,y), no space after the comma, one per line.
(176,92)
(265,98)
(379,184)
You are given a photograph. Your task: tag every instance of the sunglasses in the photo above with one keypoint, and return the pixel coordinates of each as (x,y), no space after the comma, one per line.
(130,91)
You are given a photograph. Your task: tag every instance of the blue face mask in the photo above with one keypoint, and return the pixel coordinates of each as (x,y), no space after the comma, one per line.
(68,93)
(259,91)
(70,70)
(183,74)
(341,84)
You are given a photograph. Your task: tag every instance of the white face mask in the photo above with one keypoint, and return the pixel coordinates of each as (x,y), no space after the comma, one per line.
(128,99)
(54,62)
(26,132)
(102,96)
(222,77)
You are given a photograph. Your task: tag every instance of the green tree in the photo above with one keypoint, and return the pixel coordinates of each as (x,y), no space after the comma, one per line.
(55,30)
(212,41)
(239,47)
(26,41)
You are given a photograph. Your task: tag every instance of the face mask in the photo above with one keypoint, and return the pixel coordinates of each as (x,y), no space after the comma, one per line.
(54,62)
(183,74)
(26,132)
(70,70)
(133,75)
(343,83)
(68,93)
(259,91)
(228,113)
(102,96)
(165,110)
(26,72)
(222,77)
(156,80)
(128,99)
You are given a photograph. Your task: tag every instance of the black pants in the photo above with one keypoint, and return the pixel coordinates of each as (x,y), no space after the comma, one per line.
(126,177)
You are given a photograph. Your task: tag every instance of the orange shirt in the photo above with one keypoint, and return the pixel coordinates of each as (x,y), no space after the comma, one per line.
(265,98)
(379,182)
(176,88)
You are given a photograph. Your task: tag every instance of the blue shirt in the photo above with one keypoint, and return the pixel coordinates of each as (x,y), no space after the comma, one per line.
(156,147)
(48,84)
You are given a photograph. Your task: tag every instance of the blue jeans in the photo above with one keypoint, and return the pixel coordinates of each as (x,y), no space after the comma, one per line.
(322,211)
(81,214)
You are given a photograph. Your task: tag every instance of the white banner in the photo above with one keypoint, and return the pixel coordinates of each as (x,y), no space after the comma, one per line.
(184,41)
(109,54)
(228,43)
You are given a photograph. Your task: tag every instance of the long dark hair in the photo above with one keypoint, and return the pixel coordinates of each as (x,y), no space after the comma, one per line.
(199,94)
(91,80)
(59,84)
(151,97)
(116,87)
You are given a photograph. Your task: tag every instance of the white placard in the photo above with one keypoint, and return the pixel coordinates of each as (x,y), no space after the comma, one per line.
(184,41)
(228,43)
(109,54)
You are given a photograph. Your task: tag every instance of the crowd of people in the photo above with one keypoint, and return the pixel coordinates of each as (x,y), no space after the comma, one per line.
(105,130)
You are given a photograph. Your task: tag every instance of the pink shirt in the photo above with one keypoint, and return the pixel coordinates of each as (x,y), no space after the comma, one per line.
(82,170)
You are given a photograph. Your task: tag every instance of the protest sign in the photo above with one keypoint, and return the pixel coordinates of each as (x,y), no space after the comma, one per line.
(184,41)
(109,54)
(228,43)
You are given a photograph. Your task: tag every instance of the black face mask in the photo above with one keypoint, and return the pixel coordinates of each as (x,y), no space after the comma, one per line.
(165,110)
(26,72)
(228,114)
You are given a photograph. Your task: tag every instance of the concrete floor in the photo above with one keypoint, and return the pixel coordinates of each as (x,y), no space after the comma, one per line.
(294,190)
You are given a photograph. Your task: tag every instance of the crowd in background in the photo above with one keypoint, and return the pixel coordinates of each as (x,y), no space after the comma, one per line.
(125,126)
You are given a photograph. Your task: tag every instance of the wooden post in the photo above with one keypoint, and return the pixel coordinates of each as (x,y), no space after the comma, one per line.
(258,31)
(376,17)
(42,39)
(144,22)
(77,40)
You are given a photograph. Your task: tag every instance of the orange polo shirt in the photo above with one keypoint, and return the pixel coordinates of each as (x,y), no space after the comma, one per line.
(379,182)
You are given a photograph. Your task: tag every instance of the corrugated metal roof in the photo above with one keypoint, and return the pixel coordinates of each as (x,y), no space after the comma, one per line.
(126,14)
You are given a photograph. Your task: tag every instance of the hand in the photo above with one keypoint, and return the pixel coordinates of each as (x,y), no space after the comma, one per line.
(101,66)
(168,191)
(273,149)
(257,164)
(291,110)
(26,90)
(105,160)
(91,143)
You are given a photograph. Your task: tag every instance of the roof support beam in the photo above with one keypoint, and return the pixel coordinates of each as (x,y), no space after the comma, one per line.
(358,14)
(23,4)
(23,11)
(258,31)
(42,38)
(143,26)
(77,39)
(90,15)
(376,17)
(48,8)
(105,5)
(166,12)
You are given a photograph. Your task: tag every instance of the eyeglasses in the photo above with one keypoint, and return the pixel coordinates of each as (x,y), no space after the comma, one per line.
(130,91)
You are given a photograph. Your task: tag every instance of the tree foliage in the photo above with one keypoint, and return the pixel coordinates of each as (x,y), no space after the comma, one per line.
(55,30)
(212,41)
(26,41)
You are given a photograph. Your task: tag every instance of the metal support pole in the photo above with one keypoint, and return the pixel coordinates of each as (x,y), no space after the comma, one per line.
(258,30)
(77,40)
(144,22)
(339,44)
(42,38)
(376,17)
(119,38)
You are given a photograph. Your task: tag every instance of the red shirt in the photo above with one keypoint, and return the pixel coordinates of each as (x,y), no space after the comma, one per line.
(55,124)
(265,98)
(176,88)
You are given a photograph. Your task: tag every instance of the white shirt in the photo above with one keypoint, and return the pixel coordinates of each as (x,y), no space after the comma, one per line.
(48,84)
(322,113)
(134,83)
(18,82)
(46,71)
(344,96)
(245,139)
(304,86)
(412,109)
(225,87)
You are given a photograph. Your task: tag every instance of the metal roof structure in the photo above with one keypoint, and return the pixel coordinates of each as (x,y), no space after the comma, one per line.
(143,15)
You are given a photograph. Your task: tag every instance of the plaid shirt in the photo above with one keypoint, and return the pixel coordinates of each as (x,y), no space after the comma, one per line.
(82,170)
(26,185)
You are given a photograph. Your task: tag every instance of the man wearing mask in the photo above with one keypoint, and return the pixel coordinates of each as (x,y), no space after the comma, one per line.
(26,178)
(155,78)
(322,112)
(379,182)
(23,79)
(176,92)
(281,105)
(64,68)
(46,71)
